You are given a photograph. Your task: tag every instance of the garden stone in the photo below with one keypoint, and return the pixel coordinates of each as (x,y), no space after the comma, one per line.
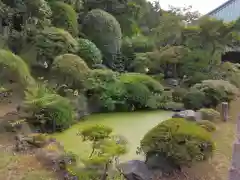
(173,82)
(224,111)
(187,114)
(135,170)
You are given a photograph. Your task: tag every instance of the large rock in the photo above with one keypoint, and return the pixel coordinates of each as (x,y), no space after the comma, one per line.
(188,114)
(135,170)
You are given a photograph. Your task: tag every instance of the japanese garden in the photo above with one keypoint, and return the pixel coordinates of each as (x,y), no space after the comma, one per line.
(90,89)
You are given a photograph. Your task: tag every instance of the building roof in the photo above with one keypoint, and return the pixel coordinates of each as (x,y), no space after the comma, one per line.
(221,7)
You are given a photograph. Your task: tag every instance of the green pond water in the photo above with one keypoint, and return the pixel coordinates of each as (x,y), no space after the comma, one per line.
(132,125)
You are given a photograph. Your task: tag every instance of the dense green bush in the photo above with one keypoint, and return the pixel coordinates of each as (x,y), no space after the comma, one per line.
(104,30)
(152,85)
(142,91)
(178,94)
(71,70)
(89,52)
(64,16)
(52,42)
(217,91)
(208,125)
(134,49)
(210,114)
(194,99)
(180,141)
(49,110)
(105,85)
(15,68)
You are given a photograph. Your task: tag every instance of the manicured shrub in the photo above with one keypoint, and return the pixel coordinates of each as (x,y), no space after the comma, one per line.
(71,70)
(217,91)
(104,30)
(194,99)
(208,125)
(89,52)
(178,94)
(15,68)
(106,88)
(52,42)
(153,85)
(142,91)
(49,109)
(180,141)
(64,16)
(210,114)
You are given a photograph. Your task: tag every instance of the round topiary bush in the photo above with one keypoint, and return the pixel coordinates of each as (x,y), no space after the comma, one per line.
(217,91)
(153,85)
(89,52)
(105,31)
(64,16)
(52,42)
(178,94)
(210,114)
(180,141)
(208,125)
(194,99)
(70,69)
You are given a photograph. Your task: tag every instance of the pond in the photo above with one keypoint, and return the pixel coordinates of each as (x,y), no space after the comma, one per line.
(132,125)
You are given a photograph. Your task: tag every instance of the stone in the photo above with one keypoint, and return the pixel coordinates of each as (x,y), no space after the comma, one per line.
(135,170)
(173,82)
(187,114)
(224,111)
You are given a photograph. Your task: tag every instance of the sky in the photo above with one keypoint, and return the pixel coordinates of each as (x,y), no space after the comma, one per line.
(203,6)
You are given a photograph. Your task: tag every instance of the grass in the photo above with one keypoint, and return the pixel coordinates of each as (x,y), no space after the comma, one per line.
(132,126)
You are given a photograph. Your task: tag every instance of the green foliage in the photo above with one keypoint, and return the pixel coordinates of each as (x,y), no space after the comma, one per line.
(210,114)
(52,42)
(64,16)
(134,49)
(95,133)
(16,68)
(71,70)
(105,149)
(194,99)
(208,125)
(142,91)
(105,86)
(148,81)
(179,140)
(178,94)
(89,52)
(104,30)
(38,8)
(217,91)
(48,108)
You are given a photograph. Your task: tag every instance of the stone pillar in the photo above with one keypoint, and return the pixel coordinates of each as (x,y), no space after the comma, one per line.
(234,173)
(224,111)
